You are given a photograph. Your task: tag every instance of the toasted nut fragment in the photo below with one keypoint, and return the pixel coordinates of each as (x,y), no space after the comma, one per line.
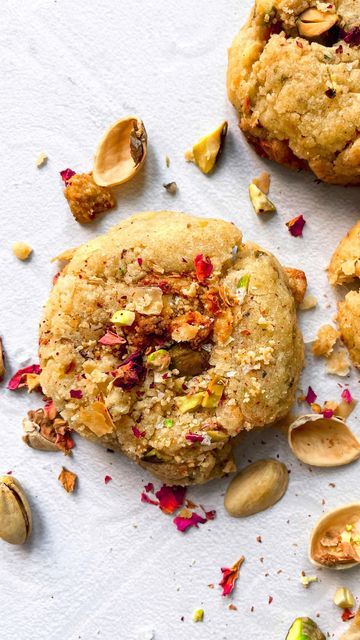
(67,479)
(121,152)
(326,339)
(297,283)
(309,302)
(15,514)
(159,360)
(41,160)
(86,199)
(187,361)
(198,615)
(2,361)
(343,598)
(171,187)
(348,319)
(304,629)
(190,402)
(256,488)
(312,22)
(345,262)
(306,581)
(263,182)
(207,151)
(21,250)
(260,201)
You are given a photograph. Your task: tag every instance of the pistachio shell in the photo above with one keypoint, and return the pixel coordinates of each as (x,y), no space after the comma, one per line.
(326,545)
(15,514)
(35,439)
(121,152)
(323,442)
(256,488)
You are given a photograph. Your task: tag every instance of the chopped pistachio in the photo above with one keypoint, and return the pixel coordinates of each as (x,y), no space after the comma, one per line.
(171,187)
(198,615)
(344,598)
(307,580)
(242,288)
(207,150)
(123,317)
(189,403)
(217,436)
(159,360)
(41,160)
(304,629)
(168,423)
(214,392)
(260,201)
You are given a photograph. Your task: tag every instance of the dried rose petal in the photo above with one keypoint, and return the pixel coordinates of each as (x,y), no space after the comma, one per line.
(76,393)
(111,339)
(203,267)
(347,615)
(50,410)
(346,395)
(147,499)
(149,487)
(130,372)
(310,396)
(182,524)
(19,379)
(230,576)
(194,437)
(328,413)
(331,92)
(296,226)
(66,174)
(56,277)
(139,261)
(170,498)
(107,479)
(352,37)
(137,433)
(210,515)
(67,479)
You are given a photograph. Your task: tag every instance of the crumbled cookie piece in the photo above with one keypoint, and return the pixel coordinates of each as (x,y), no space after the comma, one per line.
(325,341)
(263,182)
(86,199)
(338,363)
(309,302)
(345,262)
(348,319)
(297,283)
(21,250)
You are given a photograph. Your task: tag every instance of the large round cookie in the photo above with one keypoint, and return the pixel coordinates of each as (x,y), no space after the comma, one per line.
(220,312)
(298,98)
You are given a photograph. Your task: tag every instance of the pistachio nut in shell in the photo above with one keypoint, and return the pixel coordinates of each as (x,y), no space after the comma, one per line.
(256,488)
(304,629)
(313,23)
(335,539)
(323,442)
(121,152)
(15,514)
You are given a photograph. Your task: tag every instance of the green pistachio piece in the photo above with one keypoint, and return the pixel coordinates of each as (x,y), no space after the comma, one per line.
(208,149)
(260,201)
(217,436)
(159,360)
(213,393)
(189,403)
(304,629)
(123,317)
(189,362)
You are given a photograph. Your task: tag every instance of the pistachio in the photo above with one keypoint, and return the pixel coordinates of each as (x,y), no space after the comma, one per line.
(206,152)
(15,514)
(123,317)
(343,598)
(171,187)
(304,629)
(121,152)
(190,402)
(198,615)
(260,201)
(158,360)
(214,392)
(256,488)
(189,362)
(312,22)
(323,442)
(335,539)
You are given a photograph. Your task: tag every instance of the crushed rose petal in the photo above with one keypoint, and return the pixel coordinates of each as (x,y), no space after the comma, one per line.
(149,487)
(147,499)
(76,393)
(107,479)
(56,277)
(182,523)
(346,395)
(137,433)
(310,396)
(352,38)
(230,577)
(194,437)
(50,410)
(170,498)
(296,226)
(111,339)
(139,261)
(19,378)
(203,267)
(328,413)
(130,372)
(347,615)
(66,174)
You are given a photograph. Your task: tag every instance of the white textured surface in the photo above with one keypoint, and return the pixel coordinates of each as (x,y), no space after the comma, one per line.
(100,564)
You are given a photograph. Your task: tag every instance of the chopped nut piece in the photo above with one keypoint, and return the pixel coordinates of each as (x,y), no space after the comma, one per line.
(198,615)
(123,318)
(21,250)
(67,479)
(338,362)
(304,629)
(309,302)
(297,283)
(343,598)
(312,22)
(326,339)
(86,199)
(260,201)
(263,182)
(307,580)
(190,402)
(171,187)
(41,160)
(207,150)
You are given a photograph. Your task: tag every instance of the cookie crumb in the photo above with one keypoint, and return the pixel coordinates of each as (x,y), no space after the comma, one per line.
(21,250)
(41,160)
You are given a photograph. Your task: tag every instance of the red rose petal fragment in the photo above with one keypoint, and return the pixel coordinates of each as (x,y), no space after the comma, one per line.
(50,410)
(328,413)
(8,473)
(346,395)
(63,439)
(139,261)
(230,576)
(182,524)
(194,437)
(170,498)
(352,37)
(147,499)
(210,515)
(66,174)
(203,267)
(56,277)
(76,393)
(137,433)
(130,372)
(347,615)
(107,479)
(111,339)
(19,379)
(270,599)
(149,487)
(296,226)
(310,396)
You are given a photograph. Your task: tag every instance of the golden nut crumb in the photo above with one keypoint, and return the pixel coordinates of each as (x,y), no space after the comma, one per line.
(297,283)
(86,199)
(41,160)
(309,302)
(325,341)
(263,182)
(21,250)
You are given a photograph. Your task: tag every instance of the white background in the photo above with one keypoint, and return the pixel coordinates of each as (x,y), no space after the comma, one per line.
(101,564)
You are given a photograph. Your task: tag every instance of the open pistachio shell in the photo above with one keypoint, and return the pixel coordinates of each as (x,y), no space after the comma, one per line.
(323,442)
(15,514)
(335,539)
(121,152)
